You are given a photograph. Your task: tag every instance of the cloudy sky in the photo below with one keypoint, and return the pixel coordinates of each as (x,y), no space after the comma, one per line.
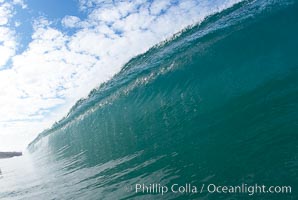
(53,52)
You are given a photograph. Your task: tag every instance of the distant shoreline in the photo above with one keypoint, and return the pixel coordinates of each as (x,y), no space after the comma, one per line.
(10,154)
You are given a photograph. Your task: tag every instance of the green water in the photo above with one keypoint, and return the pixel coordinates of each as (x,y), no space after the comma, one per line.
(217,104)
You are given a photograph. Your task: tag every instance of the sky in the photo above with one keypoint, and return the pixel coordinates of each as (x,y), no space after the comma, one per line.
(54,52)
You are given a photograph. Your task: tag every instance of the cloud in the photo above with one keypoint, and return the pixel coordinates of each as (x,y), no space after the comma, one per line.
(57,67)
(71,21)
(5,13)
(20,3)
(7,35)
(159,7)
(7,45)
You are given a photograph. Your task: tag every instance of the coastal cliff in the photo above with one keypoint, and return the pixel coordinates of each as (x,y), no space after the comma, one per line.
(10,154)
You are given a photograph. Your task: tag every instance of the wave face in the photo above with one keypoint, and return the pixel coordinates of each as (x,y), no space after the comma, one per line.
(218,103)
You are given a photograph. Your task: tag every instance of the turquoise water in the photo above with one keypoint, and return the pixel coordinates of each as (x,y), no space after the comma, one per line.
(216,104)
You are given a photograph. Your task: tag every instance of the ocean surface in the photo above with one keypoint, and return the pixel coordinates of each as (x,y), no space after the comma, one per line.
(215,104)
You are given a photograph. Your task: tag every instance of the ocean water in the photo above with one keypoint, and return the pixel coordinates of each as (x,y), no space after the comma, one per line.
(216,104)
